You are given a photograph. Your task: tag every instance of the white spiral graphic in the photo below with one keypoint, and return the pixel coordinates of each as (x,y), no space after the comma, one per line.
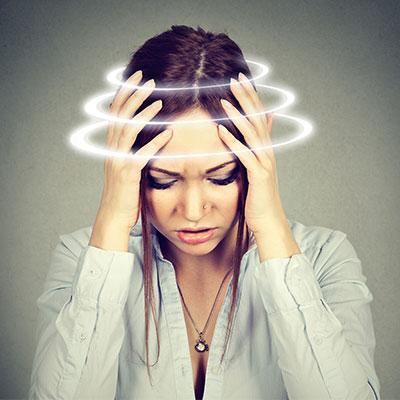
(80,137)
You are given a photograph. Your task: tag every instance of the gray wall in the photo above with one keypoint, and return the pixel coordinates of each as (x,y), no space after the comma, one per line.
(339,57)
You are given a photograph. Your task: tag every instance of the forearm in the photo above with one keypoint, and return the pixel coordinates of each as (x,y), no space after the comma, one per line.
(315,358)
(80,324)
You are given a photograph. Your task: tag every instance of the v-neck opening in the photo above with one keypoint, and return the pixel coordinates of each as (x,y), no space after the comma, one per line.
(175,319)
(178,334)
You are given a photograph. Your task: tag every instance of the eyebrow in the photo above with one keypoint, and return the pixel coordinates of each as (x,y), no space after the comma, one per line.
(177,174)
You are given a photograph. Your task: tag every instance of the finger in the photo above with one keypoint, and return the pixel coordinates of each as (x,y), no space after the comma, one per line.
(136,99)
(110,133)
(248,105)
(261,119)
(248,131)
(238,119)
(125,91)
(146,152)
(270,118)
(130,131)
(119,99)
(251,91)
(245,155)
(129,108)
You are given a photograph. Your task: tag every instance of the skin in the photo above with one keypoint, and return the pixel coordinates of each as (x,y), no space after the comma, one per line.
(181,205)
(264,212)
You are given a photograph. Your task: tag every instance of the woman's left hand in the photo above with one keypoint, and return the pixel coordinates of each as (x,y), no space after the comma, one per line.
(263,209)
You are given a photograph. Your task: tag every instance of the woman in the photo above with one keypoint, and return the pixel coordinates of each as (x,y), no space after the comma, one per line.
(254,307)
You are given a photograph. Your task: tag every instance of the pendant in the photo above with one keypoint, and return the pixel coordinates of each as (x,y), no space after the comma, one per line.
(201,345)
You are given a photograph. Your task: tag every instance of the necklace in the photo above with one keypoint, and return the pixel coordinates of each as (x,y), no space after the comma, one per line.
(201,344)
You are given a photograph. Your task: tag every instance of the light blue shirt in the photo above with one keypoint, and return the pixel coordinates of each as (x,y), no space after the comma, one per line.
(303,327)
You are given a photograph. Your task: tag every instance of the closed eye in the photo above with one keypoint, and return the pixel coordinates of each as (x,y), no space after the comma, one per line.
(220,182)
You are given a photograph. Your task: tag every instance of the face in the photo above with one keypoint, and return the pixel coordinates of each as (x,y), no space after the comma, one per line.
(176,201)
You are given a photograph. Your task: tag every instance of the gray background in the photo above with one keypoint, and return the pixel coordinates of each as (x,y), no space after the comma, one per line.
(340,59)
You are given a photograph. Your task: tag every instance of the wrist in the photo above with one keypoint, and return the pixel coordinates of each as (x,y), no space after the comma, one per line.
(106,217)
(109,234)
(276,243)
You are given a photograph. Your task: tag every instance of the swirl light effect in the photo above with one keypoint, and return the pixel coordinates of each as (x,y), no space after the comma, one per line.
(80,136)
(91,107)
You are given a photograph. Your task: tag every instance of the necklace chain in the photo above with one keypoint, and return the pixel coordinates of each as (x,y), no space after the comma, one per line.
(201,345)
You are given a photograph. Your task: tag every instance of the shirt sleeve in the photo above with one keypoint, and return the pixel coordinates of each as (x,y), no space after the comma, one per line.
(323,330)
(80,331)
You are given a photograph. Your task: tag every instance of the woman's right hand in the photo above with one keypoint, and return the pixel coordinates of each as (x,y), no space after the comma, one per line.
(120,197)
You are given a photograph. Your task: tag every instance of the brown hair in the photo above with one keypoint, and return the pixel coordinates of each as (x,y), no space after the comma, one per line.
(184,57)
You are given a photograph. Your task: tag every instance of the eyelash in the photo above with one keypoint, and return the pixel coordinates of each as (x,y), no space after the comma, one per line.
(220,182)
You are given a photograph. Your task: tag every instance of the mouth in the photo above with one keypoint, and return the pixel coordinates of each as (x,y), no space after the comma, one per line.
(195,230)
(197,236)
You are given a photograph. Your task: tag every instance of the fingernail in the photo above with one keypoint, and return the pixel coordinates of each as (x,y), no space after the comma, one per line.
(137,74)
(149,83)
(226,103)
(242,77)
(234,81)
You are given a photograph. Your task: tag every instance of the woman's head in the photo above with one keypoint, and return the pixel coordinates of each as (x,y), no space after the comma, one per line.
(186,57)
(194,198)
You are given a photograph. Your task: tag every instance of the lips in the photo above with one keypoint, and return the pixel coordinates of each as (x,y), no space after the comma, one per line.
(196,236)
(200,230)
(194,230)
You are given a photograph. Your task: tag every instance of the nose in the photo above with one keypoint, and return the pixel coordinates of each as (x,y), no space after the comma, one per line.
(194,200)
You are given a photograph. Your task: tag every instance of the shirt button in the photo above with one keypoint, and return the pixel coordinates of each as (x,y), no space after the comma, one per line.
(82,337)
(93,272)
(318,339)
(321,326)
(216,370)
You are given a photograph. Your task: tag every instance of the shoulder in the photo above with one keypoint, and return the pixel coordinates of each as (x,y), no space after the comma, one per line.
(322,244)
(315,237)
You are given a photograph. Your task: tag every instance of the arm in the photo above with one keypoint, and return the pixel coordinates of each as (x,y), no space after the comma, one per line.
(323,330)
(80,331)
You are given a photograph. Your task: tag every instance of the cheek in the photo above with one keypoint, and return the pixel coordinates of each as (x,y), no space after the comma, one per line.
(227,198)
(230,204)
(157,201)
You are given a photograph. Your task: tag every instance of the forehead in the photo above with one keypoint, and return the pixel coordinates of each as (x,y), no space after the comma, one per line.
(191,139)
